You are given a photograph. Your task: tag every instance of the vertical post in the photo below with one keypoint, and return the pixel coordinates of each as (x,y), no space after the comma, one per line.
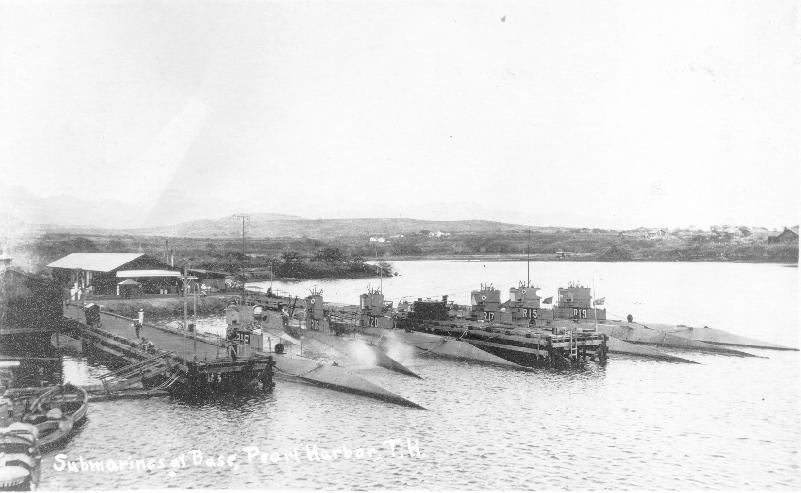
(528,260)
(194,322)
(594,310)
(243,217)
(183,294)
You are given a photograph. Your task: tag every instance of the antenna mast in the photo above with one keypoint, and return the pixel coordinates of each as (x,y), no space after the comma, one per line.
(243,217)
(380,270)
(594,310)
(528,260)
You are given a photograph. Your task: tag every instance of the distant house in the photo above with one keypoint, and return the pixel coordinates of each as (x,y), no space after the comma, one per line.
(377,239)
(437,234)
(105,271)
(734,231)
(759,234)
(789,235)
(657,234)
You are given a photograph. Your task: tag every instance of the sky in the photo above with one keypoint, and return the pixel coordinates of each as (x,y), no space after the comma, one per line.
(601,114)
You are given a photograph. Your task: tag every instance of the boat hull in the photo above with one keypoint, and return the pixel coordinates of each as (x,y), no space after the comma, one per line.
(353,347)
(641,334)
(709,335)
(446,347)
(338,378)
(53,432)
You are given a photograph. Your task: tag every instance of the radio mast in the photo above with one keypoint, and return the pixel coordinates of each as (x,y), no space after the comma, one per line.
(243,217)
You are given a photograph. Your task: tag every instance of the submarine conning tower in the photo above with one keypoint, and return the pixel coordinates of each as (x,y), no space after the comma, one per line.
(575,303)
(244,329)
(524,296)
(316,318)
(373,308)
(524,305)
(486,302)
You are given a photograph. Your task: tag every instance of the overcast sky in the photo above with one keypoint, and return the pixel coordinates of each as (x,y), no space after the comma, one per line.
(609,114)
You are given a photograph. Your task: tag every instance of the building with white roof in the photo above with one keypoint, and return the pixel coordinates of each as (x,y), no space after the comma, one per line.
(104,271)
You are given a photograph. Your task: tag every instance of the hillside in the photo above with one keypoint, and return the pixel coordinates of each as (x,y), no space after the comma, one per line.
(282,226)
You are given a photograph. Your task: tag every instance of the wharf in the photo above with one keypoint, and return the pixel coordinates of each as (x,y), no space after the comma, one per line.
(177,360)
(201,357)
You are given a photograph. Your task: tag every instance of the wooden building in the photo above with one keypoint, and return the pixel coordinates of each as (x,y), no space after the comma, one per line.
(101,273)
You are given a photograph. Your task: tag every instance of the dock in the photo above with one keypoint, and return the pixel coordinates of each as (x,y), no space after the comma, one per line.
(200,363)
(174,360)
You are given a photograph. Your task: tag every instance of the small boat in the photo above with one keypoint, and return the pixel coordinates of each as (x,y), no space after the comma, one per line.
(20,457)
(57,412)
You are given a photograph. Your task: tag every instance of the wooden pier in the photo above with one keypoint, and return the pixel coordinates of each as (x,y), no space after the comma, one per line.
(173,360)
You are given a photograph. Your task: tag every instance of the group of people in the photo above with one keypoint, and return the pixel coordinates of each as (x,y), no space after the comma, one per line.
(79,292)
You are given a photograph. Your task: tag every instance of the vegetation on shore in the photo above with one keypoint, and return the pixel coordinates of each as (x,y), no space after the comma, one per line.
(347,256)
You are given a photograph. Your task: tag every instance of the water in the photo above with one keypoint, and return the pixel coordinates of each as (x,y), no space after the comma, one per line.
(727,423)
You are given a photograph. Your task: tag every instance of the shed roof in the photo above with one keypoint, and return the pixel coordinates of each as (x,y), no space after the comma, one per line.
(98,262)
(209,274)
(148,273)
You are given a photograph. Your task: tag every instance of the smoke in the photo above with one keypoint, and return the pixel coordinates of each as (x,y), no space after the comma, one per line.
(399,351)
(362,353)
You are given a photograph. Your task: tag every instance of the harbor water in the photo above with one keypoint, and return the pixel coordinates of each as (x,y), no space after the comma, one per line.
(728,422)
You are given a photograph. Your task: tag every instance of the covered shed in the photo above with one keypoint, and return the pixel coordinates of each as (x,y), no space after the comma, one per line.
(213,280)
(101,272)
(128,288)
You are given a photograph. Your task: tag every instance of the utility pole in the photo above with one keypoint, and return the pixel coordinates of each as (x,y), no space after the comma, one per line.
(194,322)
(528,260)
(243,217)
(186,328)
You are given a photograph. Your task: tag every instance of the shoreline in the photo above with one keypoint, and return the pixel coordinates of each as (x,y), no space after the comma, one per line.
(491,257)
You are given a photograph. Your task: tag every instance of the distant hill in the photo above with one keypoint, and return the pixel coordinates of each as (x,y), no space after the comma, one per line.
(284,226)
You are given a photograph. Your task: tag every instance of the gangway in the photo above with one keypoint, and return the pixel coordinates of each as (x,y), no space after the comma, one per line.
(132,374)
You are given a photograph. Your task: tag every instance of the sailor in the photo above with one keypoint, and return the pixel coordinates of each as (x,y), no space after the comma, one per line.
(232,351)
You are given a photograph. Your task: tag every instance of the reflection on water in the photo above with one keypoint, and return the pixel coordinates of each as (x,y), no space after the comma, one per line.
(727,423)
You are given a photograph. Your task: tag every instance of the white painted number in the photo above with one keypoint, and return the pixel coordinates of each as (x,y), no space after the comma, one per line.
(579,313)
